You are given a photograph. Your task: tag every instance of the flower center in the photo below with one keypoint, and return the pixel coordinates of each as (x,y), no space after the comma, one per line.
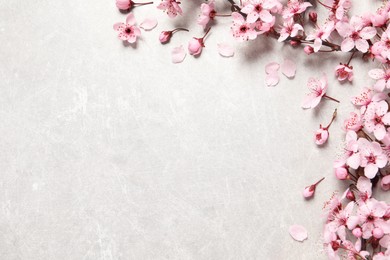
(128,30)
(371,158)
(258,8)
(355,36)
(243,28)
(377,120)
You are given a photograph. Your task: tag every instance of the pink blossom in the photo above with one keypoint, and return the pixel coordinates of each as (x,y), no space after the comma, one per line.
(128,32)
(382,77)
(242,30)
(317,87)
(294,8)
(171,7)
(343,72)
(208,13)
(341,173)
(372,157)
(355,34)
(289,29)
(376,117)
(313,17)
(320,35)
(256,9)
(366,97)
(364,187)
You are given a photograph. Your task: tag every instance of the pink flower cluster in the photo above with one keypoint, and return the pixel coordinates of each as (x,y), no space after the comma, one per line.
(356,224)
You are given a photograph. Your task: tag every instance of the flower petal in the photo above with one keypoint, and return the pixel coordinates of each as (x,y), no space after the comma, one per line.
(225,50)
(272,79)
(298,232)
(272,67)
(288,68)
(178,54)
(130,19)
(148,24)
(347,45)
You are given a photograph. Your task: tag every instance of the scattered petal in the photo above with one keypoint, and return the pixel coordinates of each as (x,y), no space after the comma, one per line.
(148,24)
(272,67)
(288,68)
(178,54)
(272,79)
(225,50)
(298,232)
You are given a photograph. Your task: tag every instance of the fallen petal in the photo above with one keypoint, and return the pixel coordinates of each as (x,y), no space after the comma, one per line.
(298,232)
(272,67)
(225,50)
(148,24)
(178,54)
(272,79)
(289,68)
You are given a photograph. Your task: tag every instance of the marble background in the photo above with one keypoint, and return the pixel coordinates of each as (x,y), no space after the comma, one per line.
(113,152)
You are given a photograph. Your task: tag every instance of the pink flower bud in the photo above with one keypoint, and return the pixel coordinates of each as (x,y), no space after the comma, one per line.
(350,195)
(195,46)
(341,173)
(385,183)
(124,4)
(308,50)
(378,233)
(165,36)
(295,43)
(313,17)
(309,191)
(321,136)
(357,232)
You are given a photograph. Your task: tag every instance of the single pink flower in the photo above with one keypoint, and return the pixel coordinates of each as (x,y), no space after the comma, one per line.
(208,13)
(171,7)
(128,32)
(320,35)
(294,8)
(289,29)
(196,45)
(308,192)
(372,157)
(256,9)
(341,173)
(376,118)
(317,89)
(382,77)
(242,30)
(355,34)
(344,72)
(370,216)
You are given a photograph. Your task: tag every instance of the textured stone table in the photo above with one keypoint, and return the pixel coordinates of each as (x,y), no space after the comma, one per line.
(113,152)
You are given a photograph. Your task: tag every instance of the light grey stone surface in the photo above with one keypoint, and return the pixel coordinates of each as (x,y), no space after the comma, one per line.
(113,152)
